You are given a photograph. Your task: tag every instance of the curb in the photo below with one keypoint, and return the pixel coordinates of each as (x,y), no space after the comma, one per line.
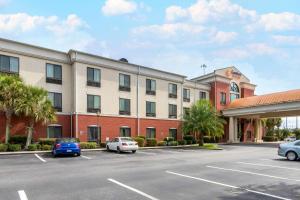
(99,149)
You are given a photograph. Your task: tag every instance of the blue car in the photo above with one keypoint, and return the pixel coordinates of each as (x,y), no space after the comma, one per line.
(66,146)
(290,150)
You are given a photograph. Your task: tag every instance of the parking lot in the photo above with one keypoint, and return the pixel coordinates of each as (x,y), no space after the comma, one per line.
(237,172)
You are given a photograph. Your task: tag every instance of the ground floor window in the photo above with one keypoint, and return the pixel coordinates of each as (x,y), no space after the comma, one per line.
(150,133)
(173,133)
(125,132)
(54,131)
(93,134)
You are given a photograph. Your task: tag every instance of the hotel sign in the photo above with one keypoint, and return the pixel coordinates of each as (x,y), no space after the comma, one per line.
(233,74)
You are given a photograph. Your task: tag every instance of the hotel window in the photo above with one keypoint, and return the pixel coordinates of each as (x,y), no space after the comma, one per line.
(234,91)
(173,133)
(56,100)
(172,90)
(150,87)
(53,73)
(54,131)
(94,134)
(150,109)
(202,95)
(172,111)
(93,103)
(93,77)
(9,64)
(186,111)
(150,133)
(124,107)
(125,132)
(124,82)
(223,98)
(186,95)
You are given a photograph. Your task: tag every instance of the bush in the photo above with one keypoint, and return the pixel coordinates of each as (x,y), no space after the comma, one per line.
(46,147)
(210,139)
(188,137)
(188,142)
(173,143)
(47,141)
(297,133)
(18,139)
(161,143)
(151,142)
(32,147)
(14,147)
(182,142)
(141,136)
(169,139)
(88,145)
(3,147)
(103,145)
(38,147)
(140,141)
(270,139)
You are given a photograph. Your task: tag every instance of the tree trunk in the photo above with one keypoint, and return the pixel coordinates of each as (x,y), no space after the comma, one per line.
(201,143)
(29,135)
(7,126)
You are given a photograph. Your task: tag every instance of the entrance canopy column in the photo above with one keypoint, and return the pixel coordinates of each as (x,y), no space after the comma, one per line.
(233,130)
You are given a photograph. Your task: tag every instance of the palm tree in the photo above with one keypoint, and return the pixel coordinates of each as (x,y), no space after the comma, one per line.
(203,119)
(37,107)
(11,89)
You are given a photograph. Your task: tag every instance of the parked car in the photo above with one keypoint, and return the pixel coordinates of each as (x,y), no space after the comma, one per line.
(66,146)
(121,144)
(290,139)
(290,150)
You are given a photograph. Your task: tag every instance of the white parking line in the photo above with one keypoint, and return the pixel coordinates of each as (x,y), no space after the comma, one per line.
(133,189)
(39,157)
(86,157)
(147,153)
(226,185)
(252,173)
(272,166)
(22,195)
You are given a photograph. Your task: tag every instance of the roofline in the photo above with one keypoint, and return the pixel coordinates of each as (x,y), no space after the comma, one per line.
(118,61)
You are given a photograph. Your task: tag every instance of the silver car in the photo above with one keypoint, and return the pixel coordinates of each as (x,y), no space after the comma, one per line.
(121,144)
(290,150)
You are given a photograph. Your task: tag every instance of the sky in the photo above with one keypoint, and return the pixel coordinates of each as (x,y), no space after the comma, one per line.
(259,37)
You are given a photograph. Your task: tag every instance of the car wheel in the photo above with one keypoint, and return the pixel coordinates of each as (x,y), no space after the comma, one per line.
(291,156)
(133,151)
(118,150)
(107,148)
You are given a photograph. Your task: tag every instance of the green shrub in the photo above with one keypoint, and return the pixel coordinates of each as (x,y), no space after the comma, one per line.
(188,137)
(182,142)
(210,139)
(102,145)
(46,147)
(88,145)
(46,141)
(38,147)
(14,147)
(151,142)
(3,147)
(188,142)
(161,143)
(297,133)
(141,136)
(140,141)
(270,139)
(173,143)
(18,139)
(32,147)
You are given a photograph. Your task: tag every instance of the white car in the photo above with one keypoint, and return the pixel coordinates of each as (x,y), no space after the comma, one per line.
(290,139)
(121,144)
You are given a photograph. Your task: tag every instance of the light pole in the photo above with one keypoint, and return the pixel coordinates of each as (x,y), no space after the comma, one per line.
(204,68)
(98,129)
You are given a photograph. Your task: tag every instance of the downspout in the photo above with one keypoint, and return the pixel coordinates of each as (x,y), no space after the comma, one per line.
(215,90)
(75,99)
(181,106)
(71,124)
(137,101)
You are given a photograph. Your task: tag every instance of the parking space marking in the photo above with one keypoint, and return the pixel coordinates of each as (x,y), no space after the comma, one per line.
(22,195)
(132,189)
(147,153)
(272,166)
(252,173)
(40,158)
(86,157)
(226,185)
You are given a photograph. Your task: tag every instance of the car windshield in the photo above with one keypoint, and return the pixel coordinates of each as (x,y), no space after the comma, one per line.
(126,139)
(63,140)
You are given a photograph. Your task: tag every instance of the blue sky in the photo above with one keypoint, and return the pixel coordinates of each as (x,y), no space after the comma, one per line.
(260,37)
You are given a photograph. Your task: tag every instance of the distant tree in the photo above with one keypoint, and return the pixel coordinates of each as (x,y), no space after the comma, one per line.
(11,90)
(201,120)
(35,105)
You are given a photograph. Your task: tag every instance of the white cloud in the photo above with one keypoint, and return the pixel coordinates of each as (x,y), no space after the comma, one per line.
(277,22)
(224,37)
(174,12)
(261,49)
(283,39)
(118,7)
(4,3)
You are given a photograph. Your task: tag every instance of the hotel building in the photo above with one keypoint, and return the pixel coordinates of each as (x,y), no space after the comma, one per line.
(98,98)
